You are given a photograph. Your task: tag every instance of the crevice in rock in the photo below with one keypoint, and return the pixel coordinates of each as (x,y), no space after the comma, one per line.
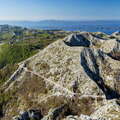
(114,55)
(94,73)
(1,113)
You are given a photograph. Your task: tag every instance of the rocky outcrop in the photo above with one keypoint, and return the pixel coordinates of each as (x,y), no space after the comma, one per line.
(108,45)
(70,79)
(117,33)
(92,60)
(84,39)
(115,53)
(57,113)
(77,40)
(111,110)
(29,115)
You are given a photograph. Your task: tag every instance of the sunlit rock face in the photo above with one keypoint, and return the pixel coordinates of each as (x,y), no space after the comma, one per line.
(84,39)
(75,78)
(115,52)
(117,33)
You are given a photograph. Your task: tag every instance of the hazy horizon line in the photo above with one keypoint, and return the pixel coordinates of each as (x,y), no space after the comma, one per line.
(60,20)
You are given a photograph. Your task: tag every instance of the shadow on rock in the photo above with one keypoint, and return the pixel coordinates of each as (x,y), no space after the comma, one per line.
(90,66)
(77,40)
(1,113)
(29,115)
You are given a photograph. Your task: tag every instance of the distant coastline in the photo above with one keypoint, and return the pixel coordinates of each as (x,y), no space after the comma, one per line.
(106,26)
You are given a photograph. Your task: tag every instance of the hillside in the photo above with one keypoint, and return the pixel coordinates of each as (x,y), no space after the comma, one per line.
(75,78)
(18,44)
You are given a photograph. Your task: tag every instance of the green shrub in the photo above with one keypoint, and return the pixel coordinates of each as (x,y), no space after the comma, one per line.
(11,54)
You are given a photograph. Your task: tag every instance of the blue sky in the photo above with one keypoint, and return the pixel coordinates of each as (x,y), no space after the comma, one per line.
(59,9)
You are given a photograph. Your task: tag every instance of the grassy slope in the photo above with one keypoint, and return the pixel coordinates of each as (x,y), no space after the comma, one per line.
(11,54)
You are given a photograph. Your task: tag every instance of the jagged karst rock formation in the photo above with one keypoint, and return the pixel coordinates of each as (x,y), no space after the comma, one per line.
(90,60)
(77,40)
(77,78)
